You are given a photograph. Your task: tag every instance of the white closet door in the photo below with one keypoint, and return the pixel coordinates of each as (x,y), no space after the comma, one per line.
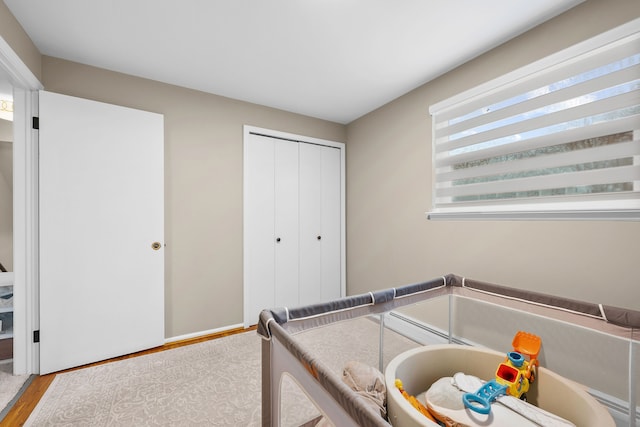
(286,223)
(259,226)
(101,210)
(331,224)
(293,232)
(311,231)
(320,219)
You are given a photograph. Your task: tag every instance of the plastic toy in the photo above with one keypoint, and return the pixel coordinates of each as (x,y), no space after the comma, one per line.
(513,376)
(413,401)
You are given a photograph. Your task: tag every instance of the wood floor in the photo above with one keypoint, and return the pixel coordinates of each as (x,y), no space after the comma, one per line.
(21,410)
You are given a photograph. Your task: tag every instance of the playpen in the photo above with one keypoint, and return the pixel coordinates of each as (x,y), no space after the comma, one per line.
(595,345)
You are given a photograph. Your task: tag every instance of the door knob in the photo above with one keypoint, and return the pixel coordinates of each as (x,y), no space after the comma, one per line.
(278,239)
(156,246)
(319,237)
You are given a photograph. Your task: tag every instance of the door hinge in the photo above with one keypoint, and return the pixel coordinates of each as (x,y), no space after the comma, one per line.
(36,336)
(35,122)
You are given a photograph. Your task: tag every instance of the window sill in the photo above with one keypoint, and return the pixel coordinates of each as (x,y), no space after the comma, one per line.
(618,215)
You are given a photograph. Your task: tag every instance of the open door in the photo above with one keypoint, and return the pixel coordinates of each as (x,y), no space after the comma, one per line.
(101,231)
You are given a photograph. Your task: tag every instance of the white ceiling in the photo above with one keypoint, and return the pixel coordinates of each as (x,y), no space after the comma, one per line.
(331,59)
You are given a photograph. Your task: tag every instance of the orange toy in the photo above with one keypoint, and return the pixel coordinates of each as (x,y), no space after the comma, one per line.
(414,402)
(527,344)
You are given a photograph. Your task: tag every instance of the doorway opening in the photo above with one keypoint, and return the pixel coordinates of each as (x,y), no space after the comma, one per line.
(6,225)
(19,252)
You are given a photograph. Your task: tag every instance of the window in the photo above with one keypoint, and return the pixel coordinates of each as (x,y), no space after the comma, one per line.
(558,139)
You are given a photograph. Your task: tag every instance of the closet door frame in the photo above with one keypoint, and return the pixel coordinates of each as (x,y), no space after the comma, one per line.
(248,318)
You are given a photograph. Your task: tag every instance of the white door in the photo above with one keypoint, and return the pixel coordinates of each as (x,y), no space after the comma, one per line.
(320,223)
(271,224)
(332,226)
(259,227)
(101,211)
(311,233)
(286,236)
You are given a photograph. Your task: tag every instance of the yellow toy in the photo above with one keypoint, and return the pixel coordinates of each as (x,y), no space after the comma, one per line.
(414,402)
(513,376)
(517,373)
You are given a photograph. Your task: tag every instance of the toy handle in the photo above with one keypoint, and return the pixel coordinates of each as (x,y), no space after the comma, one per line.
(484,396)
(471,400)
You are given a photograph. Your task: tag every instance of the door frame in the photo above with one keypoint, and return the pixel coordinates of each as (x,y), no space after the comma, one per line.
(248,129)
(25,210)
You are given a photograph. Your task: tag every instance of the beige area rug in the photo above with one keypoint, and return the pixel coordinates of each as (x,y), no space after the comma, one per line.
(10,386)
(214,383)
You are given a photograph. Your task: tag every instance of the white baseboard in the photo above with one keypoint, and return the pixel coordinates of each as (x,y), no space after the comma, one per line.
(202,333)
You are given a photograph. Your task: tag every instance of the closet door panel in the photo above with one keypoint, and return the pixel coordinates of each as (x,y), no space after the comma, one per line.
(259,226)
(331,218)
(311,232)
(286,223)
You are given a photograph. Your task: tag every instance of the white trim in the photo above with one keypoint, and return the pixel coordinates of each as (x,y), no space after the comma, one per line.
(292,136)
(202,333)
(592,43)
(25,192)
(18,72)
(619,215)
(25,234)
(248,129)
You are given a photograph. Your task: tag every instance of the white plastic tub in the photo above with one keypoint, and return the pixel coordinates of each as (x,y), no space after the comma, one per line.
(421,367)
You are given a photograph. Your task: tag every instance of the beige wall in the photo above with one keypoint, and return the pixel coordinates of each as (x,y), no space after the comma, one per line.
(203,183)
(389,240)
(13,33)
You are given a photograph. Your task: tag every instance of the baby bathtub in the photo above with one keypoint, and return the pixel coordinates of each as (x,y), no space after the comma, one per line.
(421,367)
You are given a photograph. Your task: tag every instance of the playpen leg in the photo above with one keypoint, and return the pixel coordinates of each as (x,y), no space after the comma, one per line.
(632,385)
(269,393)
(381,345)
(450,317)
